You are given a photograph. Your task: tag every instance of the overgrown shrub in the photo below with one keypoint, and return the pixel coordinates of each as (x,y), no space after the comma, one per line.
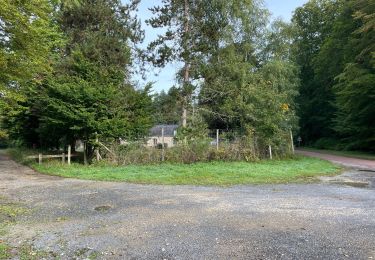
(202,150)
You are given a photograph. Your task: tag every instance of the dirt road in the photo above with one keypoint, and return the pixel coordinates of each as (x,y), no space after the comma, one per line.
(76,219)
(343,160)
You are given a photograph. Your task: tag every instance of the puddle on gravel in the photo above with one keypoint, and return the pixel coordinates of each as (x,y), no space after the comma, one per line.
(366,170)
(102,208)
(353,184)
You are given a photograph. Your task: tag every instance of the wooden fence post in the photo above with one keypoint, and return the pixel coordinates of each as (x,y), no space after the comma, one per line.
(69,153)
(270,151)
(217,139)
(40,158)
(63,158)
(97,149)
(85,152)
(291,141)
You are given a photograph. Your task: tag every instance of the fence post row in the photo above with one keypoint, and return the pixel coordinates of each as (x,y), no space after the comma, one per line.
(63,156)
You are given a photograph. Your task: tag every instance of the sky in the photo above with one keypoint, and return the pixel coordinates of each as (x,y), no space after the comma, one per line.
(164,78)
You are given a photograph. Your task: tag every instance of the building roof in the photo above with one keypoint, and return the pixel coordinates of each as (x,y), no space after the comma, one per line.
(169,130)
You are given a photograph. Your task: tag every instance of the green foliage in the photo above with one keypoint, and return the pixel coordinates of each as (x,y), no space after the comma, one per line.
(166,106)
(196,129)
(313,24)
(29,40)
(355,100)
(4,139)
(28,35)
(237,95)
(195,30)
(337,72)
(88,93)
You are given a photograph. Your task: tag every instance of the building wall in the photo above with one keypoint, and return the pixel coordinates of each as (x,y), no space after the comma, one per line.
(153,141)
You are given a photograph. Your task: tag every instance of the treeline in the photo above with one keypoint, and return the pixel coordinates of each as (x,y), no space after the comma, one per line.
(67,69)
(66,72)
(237,70)
(335,50)
(329,44)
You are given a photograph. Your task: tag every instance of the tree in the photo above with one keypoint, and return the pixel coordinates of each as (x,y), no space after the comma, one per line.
(89,93)
(166,106)
(237,95)
(195,30)
(337,73)
(355,85)
(251,87)
(313,23)
(29,37)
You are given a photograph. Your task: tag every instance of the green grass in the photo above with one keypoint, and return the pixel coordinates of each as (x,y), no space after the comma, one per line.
(353,154)
(298,169)
(4,251)
(8,214)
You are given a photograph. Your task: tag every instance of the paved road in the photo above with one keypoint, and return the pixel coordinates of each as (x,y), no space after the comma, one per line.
(73,219)
(343,160)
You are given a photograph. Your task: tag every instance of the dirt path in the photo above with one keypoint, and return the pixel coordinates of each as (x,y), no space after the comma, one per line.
(76,219)
(343,160)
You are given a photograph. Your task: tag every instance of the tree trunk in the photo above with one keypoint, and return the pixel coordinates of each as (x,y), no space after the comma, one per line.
(187,66)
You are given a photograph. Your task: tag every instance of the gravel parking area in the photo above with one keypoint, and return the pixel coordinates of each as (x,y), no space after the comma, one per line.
(76,219)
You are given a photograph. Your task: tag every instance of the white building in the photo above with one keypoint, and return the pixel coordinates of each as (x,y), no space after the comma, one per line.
(158,133)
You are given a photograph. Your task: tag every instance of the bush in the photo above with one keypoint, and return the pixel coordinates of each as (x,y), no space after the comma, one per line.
(328,143)
(236,149)
(4,140)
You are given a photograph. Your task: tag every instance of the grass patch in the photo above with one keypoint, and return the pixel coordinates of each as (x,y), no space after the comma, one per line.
(8,214)
(4,251)
(19,154)
(298,169)
(352,154)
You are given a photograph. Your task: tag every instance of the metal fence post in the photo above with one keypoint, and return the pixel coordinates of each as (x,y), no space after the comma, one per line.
(162,144)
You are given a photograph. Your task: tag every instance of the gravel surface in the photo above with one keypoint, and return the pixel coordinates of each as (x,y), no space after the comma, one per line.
(76,219)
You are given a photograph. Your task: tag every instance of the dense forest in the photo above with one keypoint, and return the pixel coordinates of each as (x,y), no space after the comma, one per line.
(67,69)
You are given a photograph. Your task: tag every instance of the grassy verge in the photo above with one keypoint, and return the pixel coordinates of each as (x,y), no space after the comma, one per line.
(8,213)
(19,154)
(352,154)
(298,169)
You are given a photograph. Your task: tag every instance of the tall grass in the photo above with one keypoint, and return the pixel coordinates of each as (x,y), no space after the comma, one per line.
(192,152)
